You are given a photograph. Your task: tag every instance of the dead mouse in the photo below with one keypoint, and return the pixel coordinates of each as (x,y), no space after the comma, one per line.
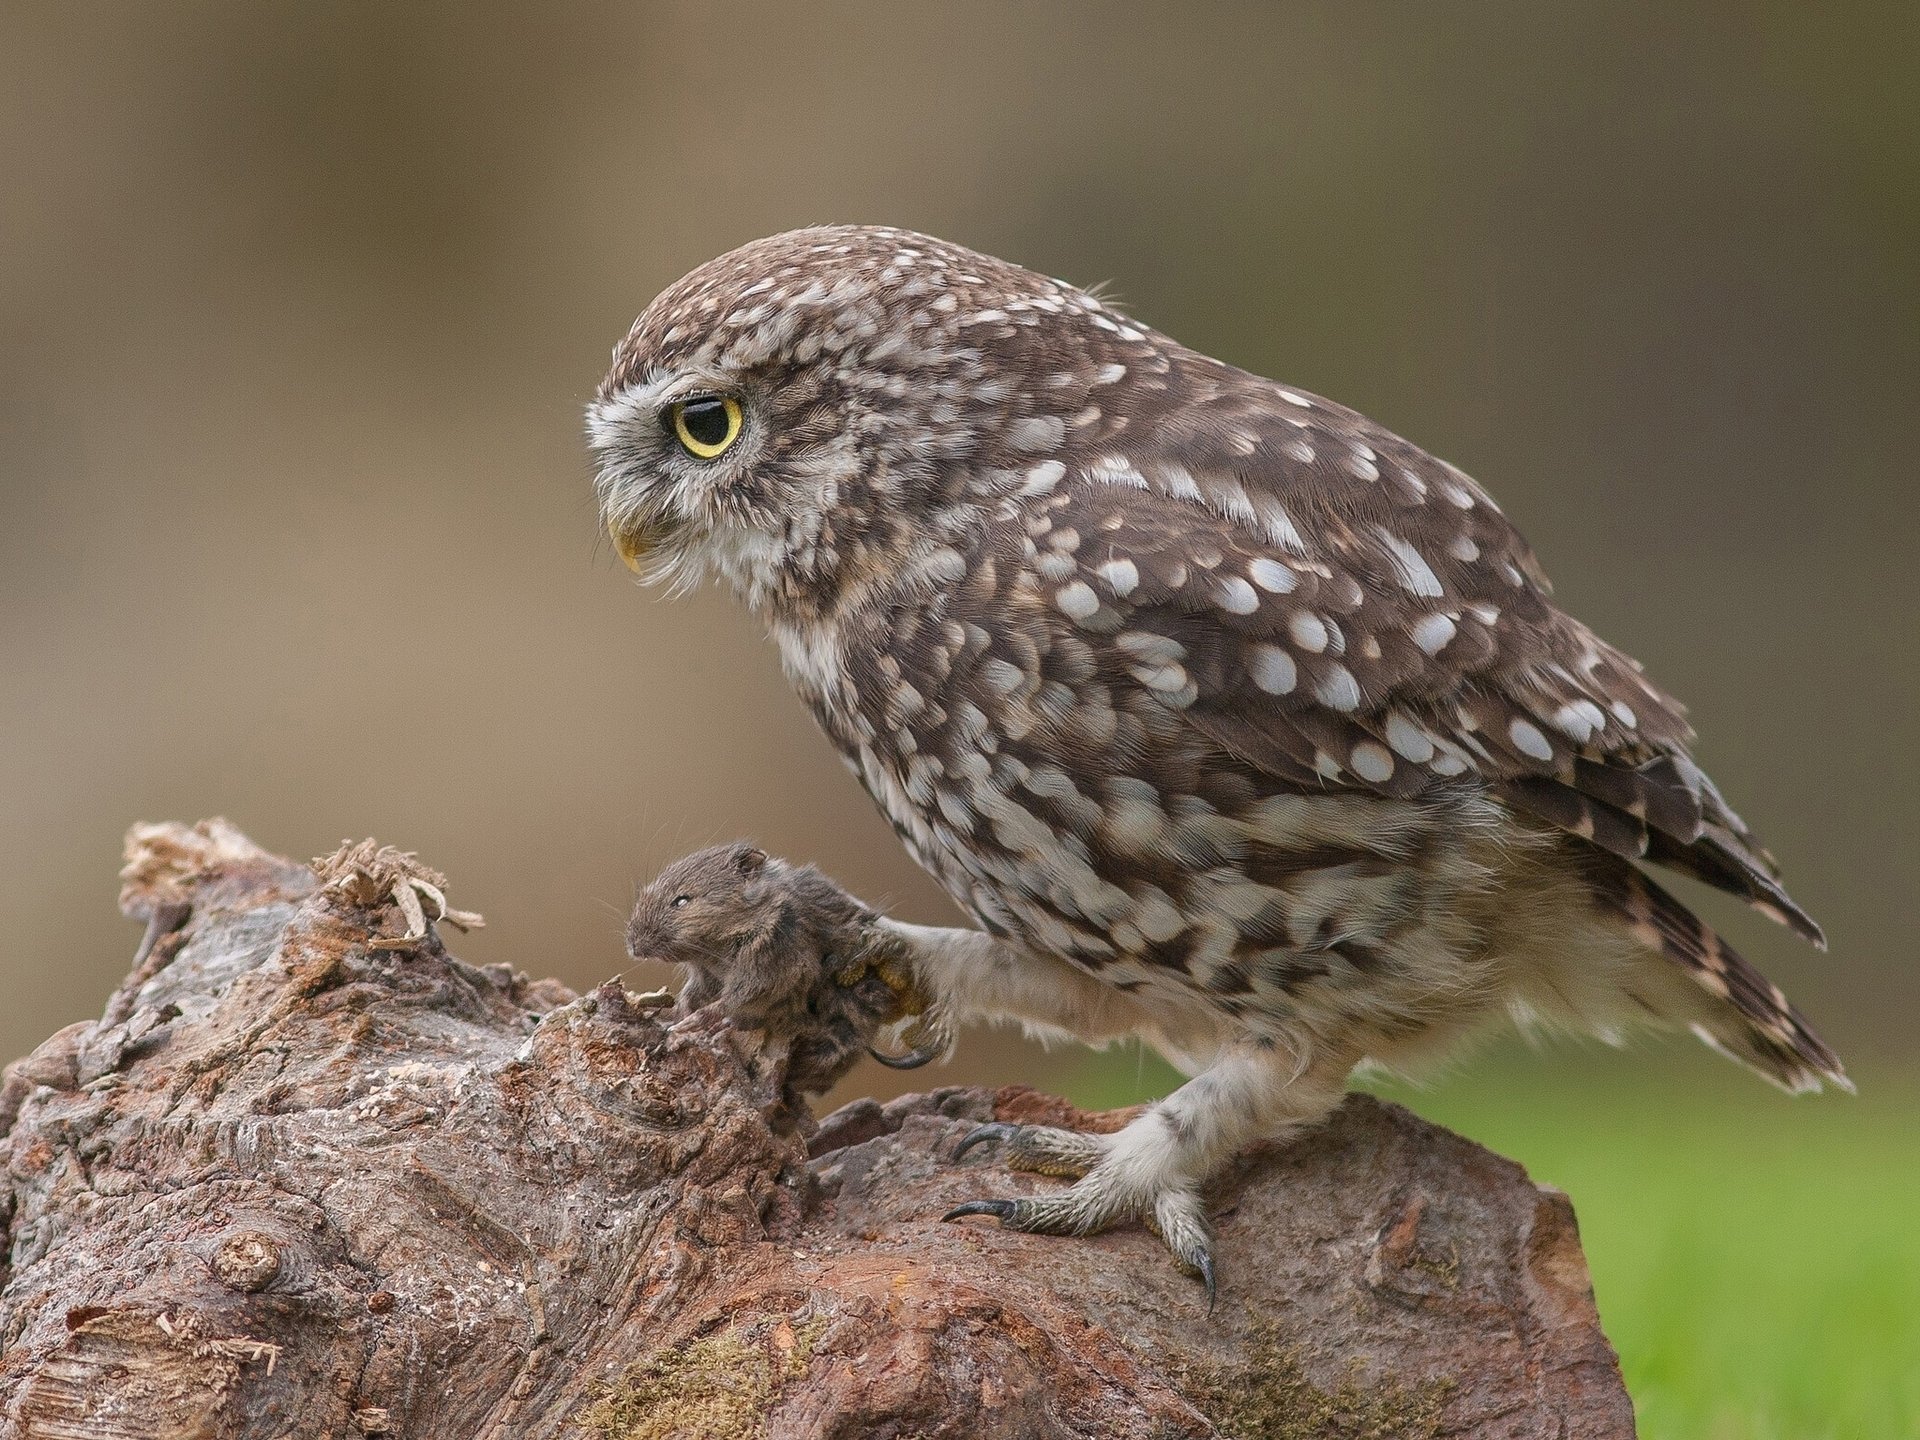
(781,948)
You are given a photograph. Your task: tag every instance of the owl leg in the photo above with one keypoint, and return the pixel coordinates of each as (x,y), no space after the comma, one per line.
(1153,1169)
(970,974)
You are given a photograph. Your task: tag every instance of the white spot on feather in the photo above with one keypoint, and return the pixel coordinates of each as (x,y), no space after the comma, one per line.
(1236,596)
(1157,918)
(1171,682)
(1410,567)
(1371,761)
(1036,432)
(1043,477)
(1114,470)
(1077,600)
(1579,721)
(1432,632)
(1273,669)
(1528,740)
(1150,648)
(1272,576)
(1338,690)
(1122,576)
(1279,525)
(1408,739)
(1308,630)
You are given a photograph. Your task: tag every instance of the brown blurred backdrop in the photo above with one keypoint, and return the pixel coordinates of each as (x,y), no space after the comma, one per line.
(300,304)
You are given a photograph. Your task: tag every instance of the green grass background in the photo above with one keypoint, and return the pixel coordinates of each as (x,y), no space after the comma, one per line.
(1756,1256)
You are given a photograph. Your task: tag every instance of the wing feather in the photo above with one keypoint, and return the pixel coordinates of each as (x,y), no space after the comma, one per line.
(1340,609)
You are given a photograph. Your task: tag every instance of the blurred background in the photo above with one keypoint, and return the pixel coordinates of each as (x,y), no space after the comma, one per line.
(300,306)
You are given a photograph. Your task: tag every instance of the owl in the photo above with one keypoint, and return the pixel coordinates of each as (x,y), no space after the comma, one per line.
(1239,724)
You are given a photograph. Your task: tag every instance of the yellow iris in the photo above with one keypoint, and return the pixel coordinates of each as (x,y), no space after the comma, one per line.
(706,425)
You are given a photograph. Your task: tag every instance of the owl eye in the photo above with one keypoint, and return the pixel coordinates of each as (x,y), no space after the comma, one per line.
(682,900)
(705,425)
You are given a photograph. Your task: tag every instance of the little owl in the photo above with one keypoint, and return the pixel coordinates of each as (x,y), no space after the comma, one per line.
(1237,722)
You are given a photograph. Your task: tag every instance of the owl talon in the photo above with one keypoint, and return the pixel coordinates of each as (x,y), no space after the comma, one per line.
(911,1060)
(1040,1149)
(1035,1215)
(1003,1210)
(980,1134)
(1177,1221)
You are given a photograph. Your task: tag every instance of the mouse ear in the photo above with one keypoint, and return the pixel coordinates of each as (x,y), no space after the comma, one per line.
(749,859)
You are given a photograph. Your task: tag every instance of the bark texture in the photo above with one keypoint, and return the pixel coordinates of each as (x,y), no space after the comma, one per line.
(310,1175)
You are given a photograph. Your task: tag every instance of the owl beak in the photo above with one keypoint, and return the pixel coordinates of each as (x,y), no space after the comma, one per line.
(636,538)
(633,546)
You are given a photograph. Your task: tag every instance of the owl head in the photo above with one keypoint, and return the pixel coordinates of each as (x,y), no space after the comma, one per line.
(807,411)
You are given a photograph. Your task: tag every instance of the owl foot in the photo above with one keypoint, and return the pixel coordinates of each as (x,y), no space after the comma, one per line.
(1100,1198)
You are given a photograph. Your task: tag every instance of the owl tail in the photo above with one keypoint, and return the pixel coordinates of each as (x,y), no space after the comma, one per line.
(1744,1015)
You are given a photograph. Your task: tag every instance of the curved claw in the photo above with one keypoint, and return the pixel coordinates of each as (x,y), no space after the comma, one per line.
(980,1134)
(912,1060)
(999,1209)
(1203,1262)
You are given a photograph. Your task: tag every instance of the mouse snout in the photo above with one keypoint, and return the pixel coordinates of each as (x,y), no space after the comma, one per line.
(645,943)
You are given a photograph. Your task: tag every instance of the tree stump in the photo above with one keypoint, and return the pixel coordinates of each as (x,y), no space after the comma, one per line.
(311,1175)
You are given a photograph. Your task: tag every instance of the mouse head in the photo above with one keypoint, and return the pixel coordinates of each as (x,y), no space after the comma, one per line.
(699,908)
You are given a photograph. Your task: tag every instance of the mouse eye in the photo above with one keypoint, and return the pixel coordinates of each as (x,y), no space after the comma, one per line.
(680,900)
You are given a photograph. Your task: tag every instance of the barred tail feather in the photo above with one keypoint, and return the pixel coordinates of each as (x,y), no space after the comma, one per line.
(1753,1022)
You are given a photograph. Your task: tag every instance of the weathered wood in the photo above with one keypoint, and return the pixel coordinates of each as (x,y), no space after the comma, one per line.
(310,1177)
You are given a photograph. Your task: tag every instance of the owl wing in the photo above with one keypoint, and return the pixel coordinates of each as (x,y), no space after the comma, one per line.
(1341,610)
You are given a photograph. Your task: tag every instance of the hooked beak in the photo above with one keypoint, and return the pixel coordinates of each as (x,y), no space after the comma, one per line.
(634,539)
(633,546)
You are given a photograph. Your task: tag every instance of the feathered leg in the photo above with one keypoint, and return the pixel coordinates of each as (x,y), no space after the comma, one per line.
(1153,1169)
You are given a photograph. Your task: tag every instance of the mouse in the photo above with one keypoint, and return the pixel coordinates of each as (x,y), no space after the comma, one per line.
(781,948)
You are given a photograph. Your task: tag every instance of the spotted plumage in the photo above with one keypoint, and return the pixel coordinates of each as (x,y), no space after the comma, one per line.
(1236,720)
